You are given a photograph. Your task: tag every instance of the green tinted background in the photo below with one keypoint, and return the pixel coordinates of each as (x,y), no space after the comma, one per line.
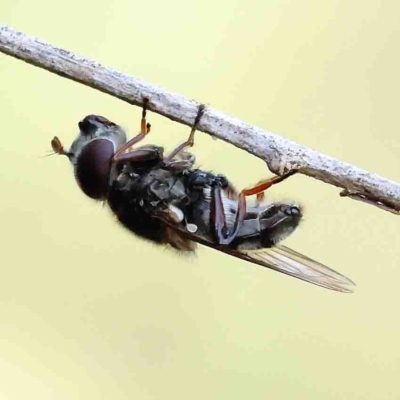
(87,311)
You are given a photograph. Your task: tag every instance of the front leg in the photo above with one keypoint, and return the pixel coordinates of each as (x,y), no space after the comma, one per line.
(146,154)
(144,130)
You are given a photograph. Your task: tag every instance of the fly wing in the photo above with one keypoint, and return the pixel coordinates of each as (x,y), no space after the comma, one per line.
(283,259)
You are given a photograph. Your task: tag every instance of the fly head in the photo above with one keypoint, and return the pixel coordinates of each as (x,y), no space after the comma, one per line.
(91,153)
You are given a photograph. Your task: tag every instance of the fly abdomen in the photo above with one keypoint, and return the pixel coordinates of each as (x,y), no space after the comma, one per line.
(264,225)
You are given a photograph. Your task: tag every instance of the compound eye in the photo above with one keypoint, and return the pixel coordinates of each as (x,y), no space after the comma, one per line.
(93,166)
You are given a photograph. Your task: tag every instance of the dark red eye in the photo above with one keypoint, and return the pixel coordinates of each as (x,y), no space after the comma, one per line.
(93,166)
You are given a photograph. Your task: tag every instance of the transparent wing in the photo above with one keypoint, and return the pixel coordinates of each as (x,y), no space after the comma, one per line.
(282,259)
(290,262)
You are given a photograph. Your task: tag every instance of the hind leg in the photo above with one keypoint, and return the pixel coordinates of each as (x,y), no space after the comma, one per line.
(218,216)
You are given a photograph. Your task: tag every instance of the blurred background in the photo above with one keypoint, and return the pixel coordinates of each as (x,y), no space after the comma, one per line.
(88,311)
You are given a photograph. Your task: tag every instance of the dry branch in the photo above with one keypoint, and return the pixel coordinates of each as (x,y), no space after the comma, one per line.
(281,155)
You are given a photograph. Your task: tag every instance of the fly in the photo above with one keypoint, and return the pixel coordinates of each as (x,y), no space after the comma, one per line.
(165,199)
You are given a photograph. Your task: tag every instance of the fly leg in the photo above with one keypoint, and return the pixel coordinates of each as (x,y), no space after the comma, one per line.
(190,141)
(186,163)
(120,154)
(218,216)
(265,184)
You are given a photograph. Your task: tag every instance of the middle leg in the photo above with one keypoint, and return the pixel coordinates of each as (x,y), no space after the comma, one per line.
(190,141)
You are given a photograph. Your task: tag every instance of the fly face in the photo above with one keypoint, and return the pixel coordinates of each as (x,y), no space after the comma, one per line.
(91,154)
(93,129)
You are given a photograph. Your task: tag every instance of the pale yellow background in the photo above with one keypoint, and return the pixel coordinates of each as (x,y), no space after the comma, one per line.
(87,311)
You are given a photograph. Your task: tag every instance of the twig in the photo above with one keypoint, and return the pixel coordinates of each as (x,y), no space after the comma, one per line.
(281,155)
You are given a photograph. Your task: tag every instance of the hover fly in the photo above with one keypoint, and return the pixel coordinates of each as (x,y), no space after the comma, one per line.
(164,199)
